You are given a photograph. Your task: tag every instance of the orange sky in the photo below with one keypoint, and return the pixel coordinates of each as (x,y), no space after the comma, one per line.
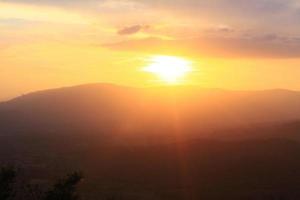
(231,44)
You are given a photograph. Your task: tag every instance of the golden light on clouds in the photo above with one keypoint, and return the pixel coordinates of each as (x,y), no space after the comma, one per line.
(169,69)
(39,13)
(62,43)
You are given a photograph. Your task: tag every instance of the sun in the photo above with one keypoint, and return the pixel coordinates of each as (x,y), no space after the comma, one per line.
(170,69)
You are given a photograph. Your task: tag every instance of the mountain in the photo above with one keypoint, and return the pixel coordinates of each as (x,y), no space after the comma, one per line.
(179,143)
(132,112)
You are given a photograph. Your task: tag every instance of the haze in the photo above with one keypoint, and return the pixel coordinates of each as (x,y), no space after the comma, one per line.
(149,99)
(51,43)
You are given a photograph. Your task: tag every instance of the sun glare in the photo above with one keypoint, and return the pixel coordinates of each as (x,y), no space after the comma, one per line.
(170,69)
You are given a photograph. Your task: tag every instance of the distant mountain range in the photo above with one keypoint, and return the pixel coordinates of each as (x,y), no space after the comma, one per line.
(167,143)
(135,112)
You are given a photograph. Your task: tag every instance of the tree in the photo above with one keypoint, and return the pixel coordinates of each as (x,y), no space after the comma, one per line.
(7,180)
(34,192)
(65,189)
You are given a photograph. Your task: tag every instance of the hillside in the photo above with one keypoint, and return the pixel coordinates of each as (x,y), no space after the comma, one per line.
(103,108)
(179,143)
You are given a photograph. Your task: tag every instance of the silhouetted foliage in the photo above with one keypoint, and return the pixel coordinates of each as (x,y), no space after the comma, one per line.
(34,192)
(7,180)
(65,189)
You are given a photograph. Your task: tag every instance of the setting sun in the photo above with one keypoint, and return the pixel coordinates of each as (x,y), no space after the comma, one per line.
(170,69)
(150,99)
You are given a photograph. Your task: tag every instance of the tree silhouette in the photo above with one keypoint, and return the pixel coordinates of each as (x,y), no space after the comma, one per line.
(7,180)
(34,192)
(65,189)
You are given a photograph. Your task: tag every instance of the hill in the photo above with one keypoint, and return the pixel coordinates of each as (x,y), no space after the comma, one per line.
(158,143)
(132,112)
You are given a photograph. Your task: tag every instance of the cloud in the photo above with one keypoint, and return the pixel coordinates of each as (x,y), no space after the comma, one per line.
(221,23)
(39,13)
(250,46)
(220,29)
(275,13)
(129,30)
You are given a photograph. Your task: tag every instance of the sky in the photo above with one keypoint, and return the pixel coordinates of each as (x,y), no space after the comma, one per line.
(232,44)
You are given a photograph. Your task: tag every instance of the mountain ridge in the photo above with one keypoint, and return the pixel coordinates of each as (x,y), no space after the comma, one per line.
(112,85)
(127,111)
(158,141)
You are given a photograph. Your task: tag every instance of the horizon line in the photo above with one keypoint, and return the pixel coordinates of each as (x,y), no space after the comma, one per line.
(145,87)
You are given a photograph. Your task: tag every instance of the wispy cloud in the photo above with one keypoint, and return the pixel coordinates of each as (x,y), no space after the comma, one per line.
(40,13)
(129,30)
(222,26)
(242,46)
